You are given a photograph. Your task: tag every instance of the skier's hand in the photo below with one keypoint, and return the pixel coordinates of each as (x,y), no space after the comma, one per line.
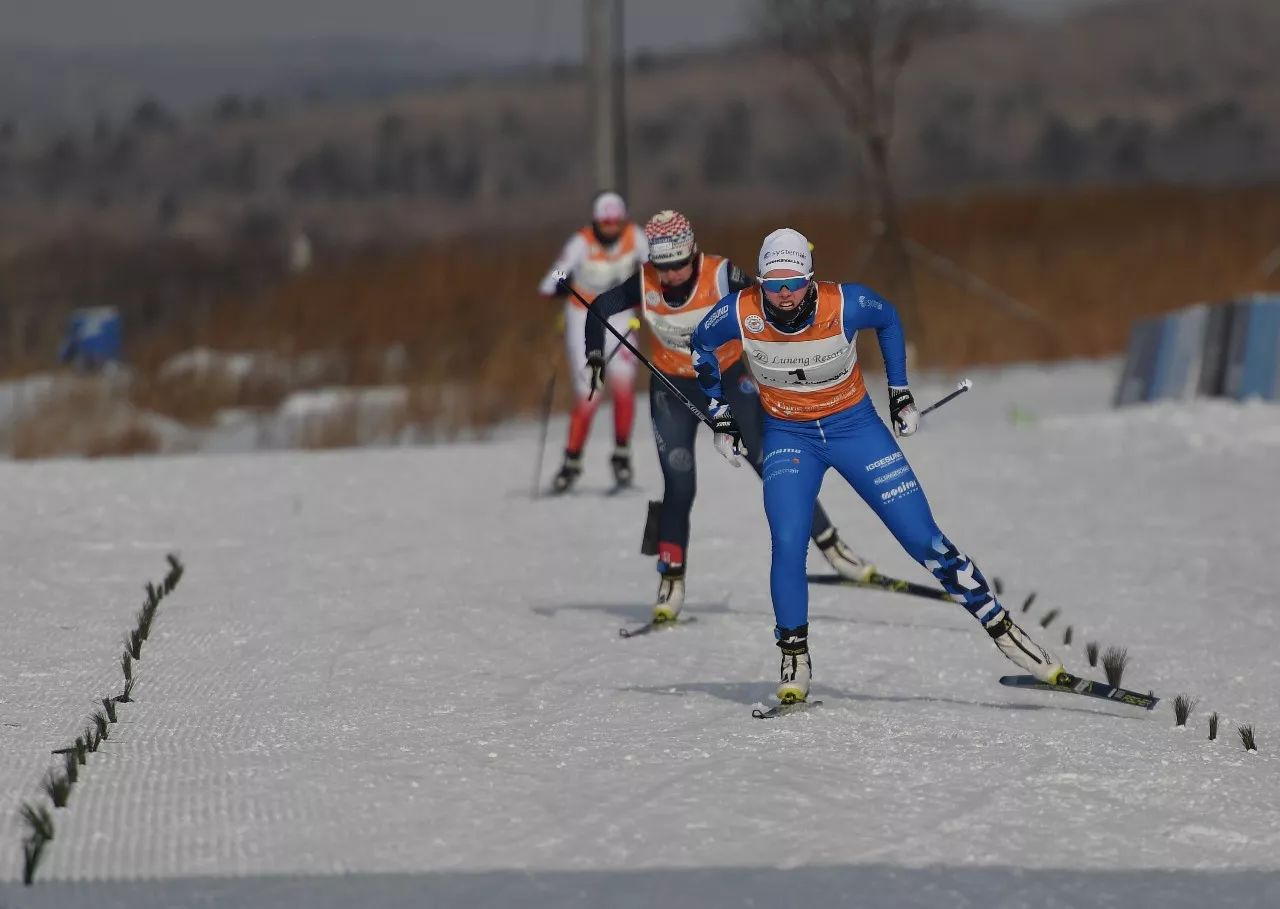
(728,437)
(902,411)
(595,362)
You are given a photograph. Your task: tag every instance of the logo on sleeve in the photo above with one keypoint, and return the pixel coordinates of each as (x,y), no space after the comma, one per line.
(754,324)
(715,318)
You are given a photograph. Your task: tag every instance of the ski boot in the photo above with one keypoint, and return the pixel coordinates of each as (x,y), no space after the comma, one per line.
(797,669)
(1026,653)
(844,560)
(670,594)
(570,470)
(621,464)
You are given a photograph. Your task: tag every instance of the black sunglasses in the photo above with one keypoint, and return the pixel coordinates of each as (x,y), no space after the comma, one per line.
(672,266)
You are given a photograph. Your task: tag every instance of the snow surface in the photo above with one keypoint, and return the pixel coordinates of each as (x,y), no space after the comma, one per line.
(390,677)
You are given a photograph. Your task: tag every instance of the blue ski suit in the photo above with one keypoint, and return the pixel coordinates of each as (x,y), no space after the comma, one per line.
(851,437)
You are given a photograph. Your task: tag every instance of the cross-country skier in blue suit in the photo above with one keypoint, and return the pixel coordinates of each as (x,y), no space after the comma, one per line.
(798,338)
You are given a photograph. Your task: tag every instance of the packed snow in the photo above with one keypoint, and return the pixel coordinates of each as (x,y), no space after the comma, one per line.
(391,677)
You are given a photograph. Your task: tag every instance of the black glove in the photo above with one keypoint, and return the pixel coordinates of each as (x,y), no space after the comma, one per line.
(902,411)
(595,362)
(728,436)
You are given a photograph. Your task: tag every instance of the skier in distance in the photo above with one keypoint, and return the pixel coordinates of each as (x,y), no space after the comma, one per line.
(674,291)
(595,258)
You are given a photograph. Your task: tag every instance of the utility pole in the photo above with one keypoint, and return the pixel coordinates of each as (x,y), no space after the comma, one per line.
(605,71)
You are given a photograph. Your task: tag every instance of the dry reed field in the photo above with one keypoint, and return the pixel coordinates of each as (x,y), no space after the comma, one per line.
(467,314)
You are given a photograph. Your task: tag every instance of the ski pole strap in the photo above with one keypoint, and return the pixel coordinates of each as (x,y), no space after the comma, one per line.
(563,284)
(964,386)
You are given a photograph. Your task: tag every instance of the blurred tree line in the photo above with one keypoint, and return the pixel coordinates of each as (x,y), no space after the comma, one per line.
(155,165)
(162,211)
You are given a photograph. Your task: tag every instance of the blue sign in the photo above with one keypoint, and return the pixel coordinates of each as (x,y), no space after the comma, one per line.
(93,338)
(1227,350)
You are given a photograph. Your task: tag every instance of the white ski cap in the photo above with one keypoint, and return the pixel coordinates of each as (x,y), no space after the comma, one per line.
(786,248)
(609,206)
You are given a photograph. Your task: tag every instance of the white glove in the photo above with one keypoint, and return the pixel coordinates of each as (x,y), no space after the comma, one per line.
(728,437)
(902,411)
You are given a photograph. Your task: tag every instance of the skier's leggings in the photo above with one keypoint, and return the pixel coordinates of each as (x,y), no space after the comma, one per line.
(674,431)
(860,447)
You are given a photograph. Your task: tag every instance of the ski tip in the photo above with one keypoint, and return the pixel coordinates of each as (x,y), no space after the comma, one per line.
(761,712)
(649,627)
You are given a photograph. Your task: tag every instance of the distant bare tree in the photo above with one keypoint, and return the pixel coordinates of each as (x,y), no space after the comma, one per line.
(858,49)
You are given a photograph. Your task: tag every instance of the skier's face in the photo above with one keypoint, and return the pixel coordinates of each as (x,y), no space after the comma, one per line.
(785,288)
(674,277)
(610,228)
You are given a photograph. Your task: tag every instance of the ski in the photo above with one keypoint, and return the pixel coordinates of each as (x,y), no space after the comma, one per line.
(653,626)
(1073,684)
(609,492)
(883,582)
(768,713)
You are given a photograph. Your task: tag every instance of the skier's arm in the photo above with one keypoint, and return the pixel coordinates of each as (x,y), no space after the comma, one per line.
(613,301)
(570,257)
(735,279)
(864,308)
(717,328)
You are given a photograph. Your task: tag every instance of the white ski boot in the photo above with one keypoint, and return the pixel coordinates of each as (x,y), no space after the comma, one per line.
(1026,653)
(570,470)
(670,595)
(844,560)
(621,464)
(797,669)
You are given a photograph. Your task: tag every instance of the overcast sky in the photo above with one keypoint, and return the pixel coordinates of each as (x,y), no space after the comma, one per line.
(501,30)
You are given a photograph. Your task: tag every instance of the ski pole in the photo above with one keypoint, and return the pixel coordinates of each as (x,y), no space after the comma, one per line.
(563,285)
(964,386)
(547,398)
(631,327)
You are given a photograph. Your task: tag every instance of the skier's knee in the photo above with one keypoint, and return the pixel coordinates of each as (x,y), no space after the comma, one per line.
(678,477)
(917,538)
(791,543)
